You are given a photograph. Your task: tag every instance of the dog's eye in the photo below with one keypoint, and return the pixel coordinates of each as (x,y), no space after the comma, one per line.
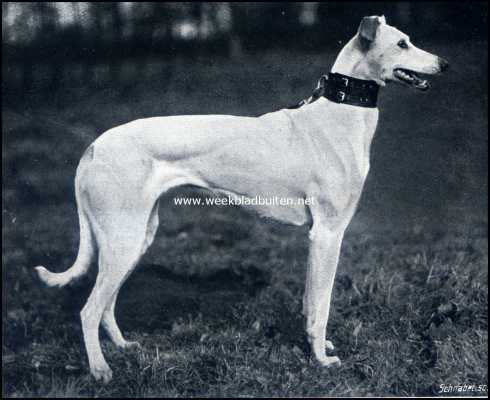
(403,44)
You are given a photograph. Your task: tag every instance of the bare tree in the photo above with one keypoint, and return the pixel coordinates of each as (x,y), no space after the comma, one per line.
(237,19)
(143,33)
(92,37)
(115,61)
(25,27)
(5,25)
(49,41)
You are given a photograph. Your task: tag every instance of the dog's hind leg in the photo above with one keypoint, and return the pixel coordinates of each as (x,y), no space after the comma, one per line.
(120,250)
(108,318)
(120,217)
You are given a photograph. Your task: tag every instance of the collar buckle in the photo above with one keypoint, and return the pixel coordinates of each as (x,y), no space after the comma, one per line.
(341,96)
(344,89)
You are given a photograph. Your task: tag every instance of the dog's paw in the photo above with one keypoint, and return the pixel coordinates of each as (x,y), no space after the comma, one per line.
(329,345)
(330,361)
(102,373)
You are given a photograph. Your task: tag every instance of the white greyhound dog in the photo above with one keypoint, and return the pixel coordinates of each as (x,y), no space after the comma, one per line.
(318,150)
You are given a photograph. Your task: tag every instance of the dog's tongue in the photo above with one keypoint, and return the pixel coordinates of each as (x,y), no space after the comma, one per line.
(411,78)
(421,84)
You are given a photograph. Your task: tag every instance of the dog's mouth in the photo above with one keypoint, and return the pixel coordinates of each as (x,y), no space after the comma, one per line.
(411,78)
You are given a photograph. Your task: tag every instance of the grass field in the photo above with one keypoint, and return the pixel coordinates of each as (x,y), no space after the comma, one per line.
(216,301)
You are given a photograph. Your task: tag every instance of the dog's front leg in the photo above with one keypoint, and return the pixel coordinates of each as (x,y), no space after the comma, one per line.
(322,265)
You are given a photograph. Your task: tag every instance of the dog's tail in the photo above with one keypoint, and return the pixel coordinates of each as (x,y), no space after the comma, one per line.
(85,255)
(82,263)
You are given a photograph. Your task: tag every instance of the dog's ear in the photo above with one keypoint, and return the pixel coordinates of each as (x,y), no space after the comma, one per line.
(368,29)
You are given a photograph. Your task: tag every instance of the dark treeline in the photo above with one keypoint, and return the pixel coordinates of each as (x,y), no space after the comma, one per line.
(57,35)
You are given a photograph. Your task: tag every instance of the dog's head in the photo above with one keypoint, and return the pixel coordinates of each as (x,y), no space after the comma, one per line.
(389,56)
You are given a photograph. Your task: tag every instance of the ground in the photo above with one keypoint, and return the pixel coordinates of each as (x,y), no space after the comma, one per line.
(216,302)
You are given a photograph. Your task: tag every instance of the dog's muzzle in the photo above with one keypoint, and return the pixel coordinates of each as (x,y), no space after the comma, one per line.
(412,78)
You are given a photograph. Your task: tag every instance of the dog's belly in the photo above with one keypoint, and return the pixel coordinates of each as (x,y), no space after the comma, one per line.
(289,210)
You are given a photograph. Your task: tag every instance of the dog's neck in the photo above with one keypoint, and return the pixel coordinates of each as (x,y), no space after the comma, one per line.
(350,62)
(350,80)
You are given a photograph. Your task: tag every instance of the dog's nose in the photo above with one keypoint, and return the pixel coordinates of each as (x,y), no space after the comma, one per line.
(443,64)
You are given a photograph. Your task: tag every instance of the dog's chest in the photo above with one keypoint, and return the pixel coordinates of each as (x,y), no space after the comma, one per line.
(341,153)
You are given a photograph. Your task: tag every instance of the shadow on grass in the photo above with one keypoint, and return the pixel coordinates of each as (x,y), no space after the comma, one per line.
(155,297)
